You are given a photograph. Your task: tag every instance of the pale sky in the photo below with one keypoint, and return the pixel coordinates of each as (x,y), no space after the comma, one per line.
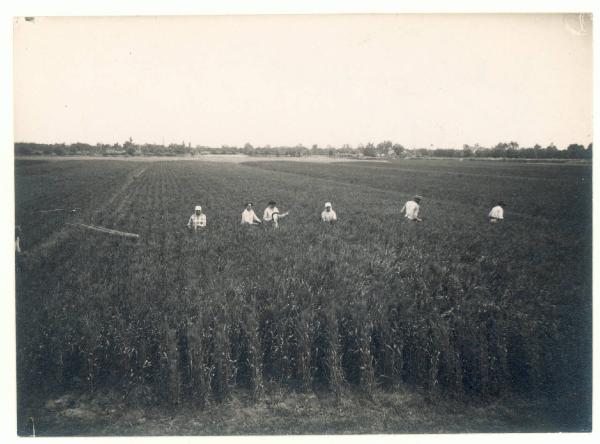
(419,80)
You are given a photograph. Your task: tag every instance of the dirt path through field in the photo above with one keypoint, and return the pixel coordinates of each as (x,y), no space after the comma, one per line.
(120,192)
(61,235)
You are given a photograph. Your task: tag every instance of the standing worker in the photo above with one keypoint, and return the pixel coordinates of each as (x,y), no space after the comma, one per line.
(271,214)
(249,217)
(328,215)
(412,209)
(497,213)
(18,239)
(197,220)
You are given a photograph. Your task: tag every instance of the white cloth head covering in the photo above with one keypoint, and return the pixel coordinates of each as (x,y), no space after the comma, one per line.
(327,204)
(198,208)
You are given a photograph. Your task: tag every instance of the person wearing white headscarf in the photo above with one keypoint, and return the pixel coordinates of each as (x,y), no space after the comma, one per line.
(197,220)
(328,215)
(411,208)
(497,213)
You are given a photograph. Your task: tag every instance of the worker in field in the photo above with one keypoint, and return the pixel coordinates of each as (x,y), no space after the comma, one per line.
(328,215)
(411,208)
(497,213)
(197,220)
(249,217)
(18,239)
(271,214)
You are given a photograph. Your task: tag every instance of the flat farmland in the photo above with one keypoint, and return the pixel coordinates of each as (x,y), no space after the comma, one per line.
(455,311)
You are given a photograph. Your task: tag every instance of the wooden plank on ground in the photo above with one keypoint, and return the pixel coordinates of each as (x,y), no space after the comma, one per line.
(107,230)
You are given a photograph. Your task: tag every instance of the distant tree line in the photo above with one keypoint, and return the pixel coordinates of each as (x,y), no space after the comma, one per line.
(386,149)
(512,150)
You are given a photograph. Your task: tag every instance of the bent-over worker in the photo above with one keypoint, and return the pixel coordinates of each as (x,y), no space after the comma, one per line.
(497,213)
(411,208)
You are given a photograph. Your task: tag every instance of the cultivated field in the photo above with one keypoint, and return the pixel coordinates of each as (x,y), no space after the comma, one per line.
(455,309)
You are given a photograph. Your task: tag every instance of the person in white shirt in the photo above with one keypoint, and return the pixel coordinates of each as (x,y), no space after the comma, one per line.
(197,220)
(412,209)
(249,217)
(497,213)
(272,214)
(328,215)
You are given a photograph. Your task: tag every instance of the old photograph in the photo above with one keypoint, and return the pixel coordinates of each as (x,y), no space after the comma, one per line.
(303,224)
